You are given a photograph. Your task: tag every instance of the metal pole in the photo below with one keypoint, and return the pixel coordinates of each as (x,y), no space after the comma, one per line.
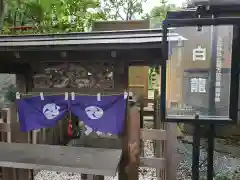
(210,169)
(212,104)
(163,79)
(196,152)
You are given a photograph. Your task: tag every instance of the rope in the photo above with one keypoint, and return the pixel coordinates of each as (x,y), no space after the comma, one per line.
(112,93)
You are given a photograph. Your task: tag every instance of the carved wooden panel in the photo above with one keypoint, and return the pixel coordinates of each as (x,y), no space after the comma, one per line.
(76,75)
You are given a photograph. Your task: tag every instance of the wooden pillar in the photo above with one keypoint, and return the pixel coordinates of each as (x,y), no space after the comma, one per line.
(158,145)
(133,128)
(129,165)
(124,161)
(24,84)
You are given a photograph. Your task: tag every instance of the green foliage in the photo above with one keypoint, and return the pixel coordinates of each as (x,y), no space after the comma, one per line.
(10,94)
(158,13)
(51,16)
(55,16)
(123,9)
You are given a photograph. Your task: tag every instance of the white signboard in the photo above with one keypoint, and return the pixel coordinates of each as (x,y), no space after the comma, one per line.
(199,54)
(198,85)
(202,85)
(219,62)
(194,85)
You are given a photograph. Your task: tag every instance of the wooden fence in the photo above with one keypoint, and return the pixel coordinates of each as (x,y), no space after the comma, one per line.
(164,137)
(10,132)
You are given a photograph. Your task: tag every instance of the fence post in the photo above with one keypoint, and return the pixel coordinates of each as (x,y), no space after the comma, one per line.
(20,137)
(8,173)
(171,157)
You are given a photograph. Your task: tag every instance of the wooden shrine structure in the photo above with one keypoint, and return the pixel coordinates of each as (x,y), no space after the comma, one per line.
(95,62)
(137,75)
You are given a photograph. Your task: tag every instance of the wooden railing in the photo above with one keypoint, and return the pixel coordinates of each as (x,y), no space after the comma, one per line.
(10,133)
(8,125)
(164,135)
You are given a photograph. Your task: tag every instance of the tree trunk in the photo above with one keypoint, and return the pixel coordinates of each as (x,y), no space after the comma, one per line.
(2,13)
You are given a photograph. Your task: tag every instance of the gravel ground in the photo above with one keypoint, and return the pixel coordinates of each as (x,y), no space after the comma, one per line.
(223,164)
(144,173)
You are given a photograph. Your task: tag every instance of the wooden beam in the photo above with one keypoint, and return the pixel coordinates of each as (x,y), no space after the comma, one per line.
(153,134)
(148,113)
(120,25)
(126,55)
(5,127)
(158,163)
(136,85)
(97,142)
(60,158)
